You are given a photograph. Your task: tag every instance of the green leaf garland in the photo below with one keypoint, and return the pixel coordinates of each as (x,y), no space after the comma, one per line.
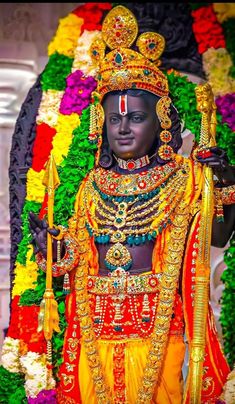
(56,71)
(11,387)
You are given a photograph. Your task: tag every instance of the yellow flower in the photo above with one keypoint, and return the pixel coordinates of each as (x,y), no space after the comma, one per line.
(65,40)
(216,64)
(64,128)
(224,11)
(49,107)
(35,189)
(25,276)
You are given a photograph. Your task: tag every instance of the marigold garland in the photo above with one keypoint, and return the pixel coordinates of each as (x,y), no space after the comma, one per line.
(25,276)
(42,147)
(66,36)
(64,133)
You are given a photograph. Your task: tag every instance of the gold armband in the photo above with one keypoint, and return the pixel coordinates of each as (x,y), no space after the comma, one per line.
(226,194)
(223,196)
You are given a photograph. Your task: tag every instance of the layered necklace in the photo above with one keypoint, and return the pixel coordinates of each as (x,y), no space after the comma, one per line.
(131,209)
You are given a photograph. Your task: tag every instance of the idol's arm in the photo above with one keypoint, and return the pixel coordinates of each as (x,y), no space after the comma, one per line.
(225,191)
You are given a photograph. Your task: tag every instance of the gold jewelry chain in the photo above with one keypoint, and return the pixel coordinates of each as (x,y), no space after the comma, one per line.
(145,212)
(159,337)
(106,210)
(179,181)
(147,220)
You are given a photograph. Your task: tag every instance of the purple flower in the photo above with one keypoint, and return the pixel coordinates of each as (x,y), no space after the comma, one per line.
(44,397)
(77,95)
(226,107)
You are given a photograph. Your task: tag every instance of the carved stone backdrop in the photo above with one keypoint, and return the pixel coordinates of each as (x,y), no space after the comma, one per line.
(25,31)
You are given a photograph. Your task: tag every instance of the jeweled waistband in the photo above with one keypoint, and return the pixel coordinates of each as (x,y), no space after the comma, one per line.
(123,283)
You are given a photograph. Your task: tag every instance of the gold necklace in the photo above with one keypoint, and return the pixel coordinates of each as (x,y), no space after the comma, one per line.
(122,219)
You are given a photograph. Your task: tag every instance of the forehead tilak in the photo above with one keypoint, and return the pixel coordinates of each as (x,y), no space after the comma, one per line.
(122,104)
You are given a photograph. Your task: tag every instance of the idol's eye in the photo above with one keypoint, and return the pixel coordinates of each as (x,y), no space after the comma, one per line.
(137,118)
(114,119)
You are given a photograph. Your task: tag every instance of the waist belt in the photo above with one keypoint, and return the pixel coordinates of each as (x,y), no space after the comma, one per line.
(121,282)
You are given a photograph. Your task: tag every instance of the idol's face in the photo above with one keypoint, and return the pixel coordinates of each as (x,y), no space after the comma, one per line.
(132,135)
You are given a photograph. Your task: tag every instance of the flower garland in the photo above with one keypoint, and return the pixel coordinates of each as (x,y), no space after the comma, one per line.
(63,129)
(217,45)
(57,116)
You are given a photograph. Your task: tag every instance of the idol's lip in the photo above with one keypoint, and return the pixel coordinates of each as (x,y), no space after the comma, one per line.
(125,141)
(120,139)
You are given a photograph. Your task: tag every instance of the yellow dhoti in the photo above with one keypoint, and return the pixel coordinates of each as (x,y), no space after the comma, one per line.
(134,354)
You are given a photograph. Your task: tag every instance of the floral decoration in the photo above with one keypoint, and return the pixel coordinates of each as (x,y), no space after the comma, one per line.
(226,107)
(67,33)
(49,108)
(82,58)
(43,140)
(77,95)
(207,30)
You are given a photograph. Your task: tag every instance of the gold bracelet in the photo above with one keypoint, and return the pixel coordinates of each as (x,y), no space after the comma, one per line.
(226,194)
(67,263)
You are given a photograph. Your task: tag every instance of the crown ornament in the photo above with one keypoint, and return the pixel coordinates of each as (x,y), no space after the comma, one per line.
(124,68)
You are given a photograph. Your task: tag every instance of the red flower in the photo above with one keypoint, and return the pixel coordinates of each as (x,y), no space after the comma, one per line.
(28,323)
(13,329)
(42,146)
(207,31)
(92,14)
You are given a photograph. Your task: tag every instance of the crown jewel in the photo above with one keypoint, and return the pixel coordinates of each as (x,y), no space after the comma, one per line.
(124,68)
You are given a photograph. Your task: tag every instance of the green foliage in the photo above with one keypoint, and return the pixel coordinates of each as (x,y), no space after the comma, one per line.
(195,6)
(227,317)
(56,71)
(29,206)
(229,33)
(11,388)
(79,161)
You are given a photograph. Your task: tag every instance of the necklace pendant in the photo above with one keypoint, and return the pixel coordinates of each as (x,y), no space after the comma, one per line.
(118,256)
(118,236)
(131,164)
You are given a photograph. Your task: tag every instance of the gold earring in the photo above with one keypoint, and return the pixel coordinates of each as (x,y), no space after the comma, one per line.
(163,111)
(96,125)
(165,151)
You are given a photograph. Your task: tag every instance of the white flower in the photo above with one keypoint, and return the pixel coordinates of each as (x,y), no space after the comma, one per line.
(82,59)
(49,107)
(36,373)
(10,355)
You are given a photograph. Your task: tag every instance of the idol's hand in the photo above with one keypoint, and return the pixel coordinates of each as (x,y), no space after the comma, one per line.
(217,159)
(39,229)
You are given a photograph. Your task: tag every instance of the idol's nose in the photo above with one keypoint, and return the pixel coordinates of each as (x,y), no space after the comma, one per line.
(124,127)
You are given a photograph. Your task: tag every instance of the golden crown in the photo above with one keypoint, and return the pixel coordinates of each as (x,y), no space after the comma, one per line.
(124,68)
